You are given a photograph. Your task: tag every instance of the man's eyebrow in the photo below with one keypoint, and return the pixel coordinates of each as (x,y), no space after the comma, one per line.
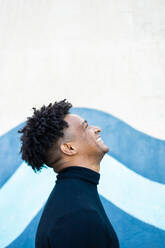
(85,121)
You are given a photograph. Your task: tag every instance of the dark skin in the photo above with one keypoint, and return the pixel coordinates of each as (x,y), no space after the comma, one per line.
(81,145)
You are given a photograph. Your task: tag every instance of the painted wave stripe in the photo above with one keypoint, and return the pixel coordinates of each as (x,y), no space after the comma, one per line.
(138,232)
(140,197)
(141,153)
(10,158)
(23,196)
(28,192)
(138,151)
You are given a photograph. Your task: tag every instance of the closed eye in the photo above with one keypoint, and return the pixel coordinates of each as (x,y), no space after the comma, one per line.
(85,124)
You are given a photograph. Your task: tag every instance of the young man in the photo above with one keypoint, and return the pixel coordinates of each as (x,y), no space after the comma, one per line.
(73,216)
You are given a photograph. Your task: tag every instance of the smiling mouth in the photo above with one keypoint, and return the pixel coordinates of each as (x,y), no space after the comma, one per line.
(99,139)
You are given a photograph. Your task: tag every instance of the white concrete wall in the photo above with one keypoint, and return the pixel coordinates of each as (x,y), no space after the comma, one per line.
(102,54)
(108,55)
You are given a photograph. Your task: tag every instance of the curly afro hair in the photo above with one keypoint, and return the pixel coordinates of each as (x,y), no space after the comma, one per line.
(41,131)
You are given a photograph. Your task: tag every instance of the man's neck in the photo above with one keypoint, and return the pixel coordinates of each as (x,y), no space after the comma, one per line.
(87,164)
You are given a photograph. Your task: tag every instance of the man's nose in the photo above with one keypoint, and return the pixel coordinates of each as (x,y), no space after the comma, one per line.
(97,129)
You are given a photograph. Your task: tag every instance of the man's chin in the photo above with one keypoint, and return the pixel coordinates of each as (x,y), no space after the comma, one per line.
(105,149)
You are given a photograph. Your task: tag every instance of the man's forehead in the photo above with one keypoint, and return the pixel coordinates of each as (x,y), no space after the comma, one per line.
(73,119)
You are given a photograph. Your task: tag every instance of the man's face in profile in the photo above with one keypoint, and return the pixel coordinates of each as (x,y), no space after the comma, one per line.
(85,138)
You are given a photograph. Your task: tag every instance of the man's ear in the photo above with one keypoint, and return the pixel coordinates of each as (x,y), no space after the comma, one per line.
(68,149)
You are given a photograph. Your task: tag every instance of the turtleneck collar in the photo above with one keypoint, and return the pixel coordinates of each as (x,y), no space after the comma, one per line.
(79,172)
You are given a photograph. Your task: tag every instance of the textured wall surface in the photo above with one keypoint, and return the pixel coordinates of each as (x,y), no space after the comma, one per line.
(108,59)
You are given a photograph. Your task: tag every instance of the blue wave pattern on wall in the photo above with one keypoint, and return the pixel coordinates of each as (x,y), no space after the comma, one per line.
(10,158)
(139,152)
(131,232)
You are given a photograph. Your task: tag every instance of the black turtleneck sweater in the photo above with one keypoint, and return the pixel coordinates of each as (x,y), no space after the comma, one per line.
(73,216)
